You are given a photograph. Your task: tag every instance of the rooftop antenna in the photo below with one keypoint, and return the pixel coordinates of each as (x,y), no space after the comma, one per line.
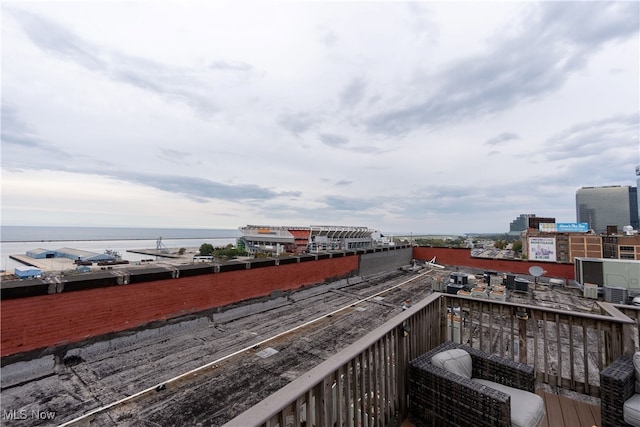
(536,272)
(160,247)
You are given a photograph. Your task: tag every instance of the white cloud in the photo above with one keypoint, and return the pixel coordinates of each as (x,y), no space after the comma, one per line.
(423,117)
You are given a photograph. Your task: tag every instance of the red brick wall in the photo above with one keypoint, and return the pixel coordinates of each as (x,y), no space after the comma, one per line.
(49,320)
(462,257)
(45,321)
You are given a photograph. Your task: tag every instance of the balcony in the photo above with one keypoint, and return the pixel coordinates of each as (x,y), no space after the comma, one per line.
(366,384)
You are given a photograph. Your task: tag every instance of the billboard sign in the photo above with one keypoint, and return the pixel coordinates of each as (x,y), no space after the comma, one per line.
(542,249)
(581,227)
(564,227)
(547,227)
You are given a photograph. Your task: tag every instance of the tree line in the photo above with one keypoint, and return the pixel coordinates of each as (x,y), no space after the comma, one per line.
(228,252)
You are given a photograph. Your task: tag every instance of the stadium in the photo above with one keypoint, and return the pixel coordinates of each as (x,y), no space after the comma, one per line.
(315,238)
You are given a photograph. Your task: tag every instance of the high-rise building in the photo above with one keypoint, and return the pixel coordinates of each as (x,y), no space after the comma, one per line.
(519,224)
(601,207)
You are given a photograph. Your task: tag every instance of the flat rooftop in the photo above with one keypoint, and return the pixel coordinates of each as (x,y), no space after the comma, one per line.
(79,379)
(236,357)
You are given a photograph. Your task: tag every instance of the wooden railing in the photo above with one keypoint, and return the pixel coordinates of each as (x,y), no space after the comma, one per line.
(366,383)
(633,313)
(567,349)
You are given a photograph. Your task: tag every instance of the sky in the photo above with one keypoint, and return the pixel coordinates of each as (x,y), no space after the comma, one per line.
(426,117)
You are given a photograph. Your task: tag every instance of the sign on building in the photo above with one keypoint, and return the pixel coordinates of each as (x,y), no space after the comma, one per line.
(564,227)
(542,249)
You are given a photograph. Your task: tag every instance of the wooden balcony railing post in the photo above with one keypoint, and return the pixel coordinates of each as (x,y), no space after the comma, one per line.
(341,380)
(621,338)
(628,345)
(522,337)
(354,390)
(403,366)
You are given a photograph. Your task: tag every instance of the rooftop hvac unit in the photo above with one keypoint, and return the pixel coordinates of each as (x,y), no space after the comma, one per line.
(479,293)
(459,278)
(521,285)
(508,281)
(616,295)
(556,283)
(498,295)
(591,290)
(441,285)
(453,289)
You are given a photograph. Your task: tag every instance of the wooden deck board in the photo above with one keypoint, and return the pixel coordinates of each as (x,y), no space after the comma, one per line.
(554,411)
(595,410)
(569,412)
(586,414)
(562,411)
(545,421)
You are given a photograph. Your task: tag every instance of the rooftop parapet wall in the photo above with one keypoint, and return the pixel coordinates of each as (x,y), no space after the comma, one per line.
(51,284)
(84,309)
(377,262)
(462,257)
(47,321)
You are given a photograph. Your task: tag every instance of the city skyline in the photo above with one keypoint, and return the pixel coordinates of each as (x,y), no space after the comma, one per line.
(429,117)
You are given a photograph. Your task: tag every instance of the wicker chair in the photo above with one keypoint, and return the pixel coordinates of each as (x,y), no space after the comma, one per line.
(438,397)
(617,385)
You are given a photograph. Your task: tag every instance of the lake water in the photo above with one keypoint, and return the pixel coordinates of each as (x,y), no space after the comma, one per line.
(20,239)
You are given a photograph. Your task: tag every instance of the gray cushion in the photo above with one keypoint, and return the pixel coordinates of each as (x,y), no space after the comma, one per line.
(631,410)
(636,364)
(527,409)
(456,361)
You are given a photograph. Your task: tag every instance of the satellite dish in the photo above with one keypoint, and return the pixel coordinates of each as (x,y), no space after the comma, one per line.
(536,271)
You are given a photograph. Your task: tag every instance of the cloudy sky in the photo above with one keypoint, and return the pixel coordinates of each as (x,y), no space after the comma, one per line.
(403,117)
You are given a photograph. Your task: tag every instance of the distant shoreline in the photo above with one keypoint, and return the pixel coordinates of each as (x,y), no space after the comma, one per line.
(110,239)
(26,234)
